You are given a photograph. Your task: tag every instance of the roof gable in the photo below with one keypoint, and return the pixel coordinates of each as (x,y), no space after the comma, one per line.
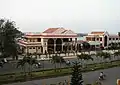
(50,30)
(69,32)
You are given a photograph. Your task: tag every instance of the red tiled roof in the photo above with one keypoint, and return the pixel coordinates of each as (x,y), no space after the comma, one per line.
(97,32)
(50,30)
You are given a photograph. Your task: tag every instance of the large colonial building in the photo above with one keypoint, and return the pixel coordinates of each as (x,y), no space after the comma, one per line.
(52,39)
(103,37)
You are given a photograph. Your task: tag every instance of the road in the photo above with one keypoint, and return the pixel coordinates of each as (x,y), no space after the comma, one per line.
(11,67)
(112,75)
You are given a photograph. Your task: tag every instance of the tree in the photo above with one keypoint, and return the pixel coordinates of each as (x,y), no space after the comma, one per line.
(57,59)
(22,64)
(81,57)
(27,59)
(76,74)
(104,55)
(117,54)
(86,46)
(87,57)
(67,45)
(9,35)
(119,34)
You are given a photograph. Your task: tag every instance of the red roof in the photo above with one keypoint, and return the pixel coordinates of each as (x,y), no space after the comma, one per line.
(50,30)
(97,33)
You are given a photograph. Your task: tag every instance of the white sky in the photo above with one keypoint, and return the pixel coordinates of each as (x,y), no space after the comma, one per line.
(77,15)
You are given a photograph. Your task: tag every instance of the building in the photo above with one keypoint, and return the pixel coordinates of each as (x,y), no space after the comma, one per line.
(51,40)
(102,38)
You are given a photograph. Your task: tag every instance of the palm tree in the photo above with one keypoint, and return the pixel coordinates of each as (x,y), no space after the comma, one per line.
(99,55)
(81,57)
(104,55)
(27,59)
(22,64)
(86,46)
(57,59)
(117,54)
(31,61)
(87,57)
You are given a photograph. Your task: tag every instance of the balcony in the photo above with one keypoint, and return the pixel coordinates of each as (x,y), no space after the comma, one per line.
(25,43)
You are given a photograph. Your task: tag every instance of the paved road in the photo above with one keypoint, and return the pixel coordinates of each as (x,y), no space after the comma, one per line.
(11,67)
(112,75)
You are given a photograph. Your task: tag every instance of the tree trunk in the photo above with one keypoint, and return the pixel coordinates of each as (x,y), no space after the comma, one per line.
(55,66)
(24,72)
(60,66)
(43,66)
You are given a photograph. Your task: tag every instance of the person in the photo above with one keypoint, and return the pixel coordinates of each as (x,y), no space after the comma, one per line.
(101,75)
(68,62)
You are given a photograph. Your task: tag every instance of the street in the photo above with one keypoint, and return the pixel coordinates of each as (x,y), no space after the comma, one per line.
(11,67)
(112,75)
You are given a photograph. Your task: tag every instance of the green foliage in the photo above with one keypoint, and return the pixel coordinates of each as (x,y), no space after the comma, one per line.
(57,59)
(119,34)
(84,56)
(76,74)
(86,46)
(48,73)
(116,53)
(28,60)
(8,38)
(105,55)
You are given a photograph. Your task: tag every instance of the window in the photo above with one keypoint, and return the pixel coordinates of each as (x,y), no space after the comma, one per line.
(33,47)
(30,47)
(113,38)
(38,47)
(39,39)
(116,38)
(109,38)
(100,39)
(88,38)
(75,39)
(93,39)
(97,39)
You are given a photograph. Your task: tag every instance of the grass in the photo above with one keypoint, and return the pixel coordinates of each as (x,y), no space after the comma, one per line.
(19,77)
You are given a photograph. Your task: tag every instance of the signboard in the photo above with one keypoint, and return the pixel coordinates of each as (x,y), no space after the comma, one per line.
(118,81)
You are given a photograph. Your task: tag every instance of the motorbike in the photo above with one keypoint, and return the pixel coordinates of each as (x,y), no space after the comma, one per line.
(102,77)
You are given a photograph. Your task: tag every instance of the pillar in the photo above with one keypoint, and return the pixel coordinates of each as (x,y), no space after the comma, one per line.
(62,44)
(54,45)
(27,49)
(75,44)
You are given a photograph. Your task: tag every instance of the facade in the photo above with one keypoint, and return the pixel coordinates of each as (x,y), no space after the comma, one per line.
(103,37)
(51,40)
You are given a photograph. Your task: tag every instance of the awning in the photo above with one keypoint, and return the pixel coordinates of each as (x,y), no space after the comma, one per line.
(94,43)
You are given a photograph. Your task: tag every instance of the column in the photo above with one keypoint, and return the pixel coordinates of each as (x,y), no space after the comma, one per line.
(54,45)
(27,49)
(75,44)
(62,45)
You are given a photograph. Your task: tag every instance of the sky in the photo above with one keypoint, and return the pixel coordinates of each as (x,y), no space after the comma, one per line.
(81,16)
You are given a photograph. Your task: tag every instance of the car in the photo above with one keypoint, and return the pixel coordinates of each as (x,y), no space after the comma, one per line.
(38,65)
